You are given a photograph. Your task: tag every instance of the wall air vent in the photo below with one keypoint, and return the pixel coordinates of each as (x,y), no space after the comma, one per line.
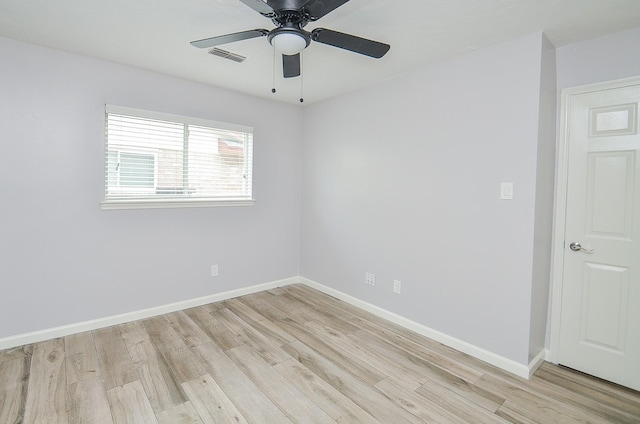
(227,55)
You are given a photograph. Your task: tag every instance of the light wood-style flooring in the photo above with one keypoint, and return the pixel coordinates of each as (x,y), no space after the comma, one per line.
(288,355)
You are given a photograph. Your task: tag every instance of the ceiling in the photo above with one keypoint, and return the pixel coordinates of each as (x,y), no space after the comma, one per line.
(155,35)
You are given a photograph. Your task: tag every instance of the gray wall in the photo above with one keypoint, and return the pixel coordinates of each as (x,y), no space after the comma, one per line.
(602,59)
(62,259)
(545,178)
(403,180)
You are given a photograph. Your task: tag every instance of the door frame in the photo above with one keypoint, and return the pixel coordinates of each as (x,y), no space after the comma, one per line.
(560,209)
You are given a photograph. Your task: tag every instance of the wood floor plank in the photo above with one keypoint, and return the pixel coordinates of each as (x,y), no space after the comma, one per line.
(515,416)
(426,357)
(160,384)
(371,358)
(14,380)
(305,311)
(184,413)
(606,406)
(422,408)
(338,406)
(413,358)
(284,306)
(536,406)
(268,308)
(254,405)
(470,392)
(88,402)
(275,291)
(210,401)
(613,402)
(81,357)
(414,343)
(187,329)
(269,350)
(458,405)
(584,393)
(364,395)
(16,352)
(367,374)
(129,404)
(412,362)
(285,395)
(324,309)
(212,327)
(180,359)
(244,311)
(115,362)
(260,323)
(47,400)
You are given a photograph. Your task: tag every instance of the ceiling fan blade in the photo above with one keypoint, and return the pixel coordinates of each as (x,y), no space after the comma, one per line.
(260,7)
(291,65)
(350,42)
(229,38)
(316,9)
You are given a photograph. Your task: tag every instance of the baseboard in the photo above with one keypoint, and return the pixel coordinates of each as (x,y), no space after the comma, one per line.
(506,364)
(521,370)
(52,333)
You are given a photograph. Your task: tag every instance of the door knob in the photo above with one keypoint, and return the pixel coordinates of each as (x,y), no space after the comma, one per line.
(576,247)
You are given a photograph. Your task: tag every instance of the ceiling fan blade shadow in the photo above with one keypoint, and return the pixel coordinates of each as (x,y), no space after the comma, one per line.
(316,9)
(260,7)
(349,42)
(291,65)
(229,38)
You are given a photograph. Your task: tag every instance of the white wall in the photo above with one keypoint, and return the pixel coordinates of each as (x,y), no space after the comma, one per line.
(403,180)
(62,259)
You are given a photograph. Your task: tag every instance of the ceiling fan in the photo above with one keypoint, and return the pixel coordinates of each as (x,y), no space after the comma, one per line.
(289,37)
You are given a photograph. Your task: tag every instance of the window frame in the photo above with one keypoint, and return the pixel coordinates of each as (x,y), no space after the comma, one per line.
(177,201)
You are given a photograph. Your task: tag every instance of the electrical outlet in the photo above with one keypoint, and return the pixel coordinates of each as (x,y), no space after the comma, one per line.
(370,279)
(214,270)
(397,286)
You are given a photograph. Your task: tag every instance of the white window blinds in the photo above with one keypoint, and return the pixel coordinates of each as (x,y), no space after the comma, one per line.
(161,160)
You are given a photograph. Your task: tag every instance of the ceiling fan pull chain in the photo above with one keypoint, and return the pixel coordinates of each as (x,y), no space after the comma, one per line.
(301,74)
(273,86)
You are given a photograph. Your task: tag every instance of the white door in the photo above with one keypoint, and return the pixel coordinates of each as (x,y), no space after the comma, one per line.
(600,312)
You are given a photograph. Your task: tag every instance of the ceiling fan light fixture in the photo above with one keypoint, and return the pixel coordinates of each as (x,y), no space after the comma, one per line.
(289,43)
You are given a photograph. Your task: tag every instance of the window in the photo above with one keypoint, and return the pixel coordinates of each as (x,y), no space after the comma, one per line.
(155,160)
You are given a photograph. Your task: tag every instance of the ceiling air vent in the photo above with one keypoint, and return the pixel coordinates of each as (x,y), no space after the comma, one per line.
(226,55)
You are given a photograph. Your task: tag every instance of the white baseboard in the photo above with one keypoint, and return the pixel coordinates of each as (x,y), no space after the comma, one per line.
(521,370)
(506,364)
(536,362)
(51,333)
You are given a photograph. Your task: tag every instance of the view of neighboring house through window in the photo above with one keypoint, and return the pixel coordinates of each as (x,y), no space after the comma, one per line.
(157,160)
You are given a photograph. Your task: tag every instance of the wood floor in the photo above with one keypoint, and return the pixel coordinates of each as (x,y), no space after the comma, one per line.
(288,355)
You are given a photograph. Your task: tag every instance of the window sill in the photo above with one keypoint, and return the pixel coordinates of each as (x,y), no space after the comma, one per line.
(172,203)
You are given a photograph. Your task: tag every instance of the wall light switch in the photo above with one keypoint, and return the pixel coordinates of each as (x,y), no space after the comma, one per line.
(397,286)
(506,191)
